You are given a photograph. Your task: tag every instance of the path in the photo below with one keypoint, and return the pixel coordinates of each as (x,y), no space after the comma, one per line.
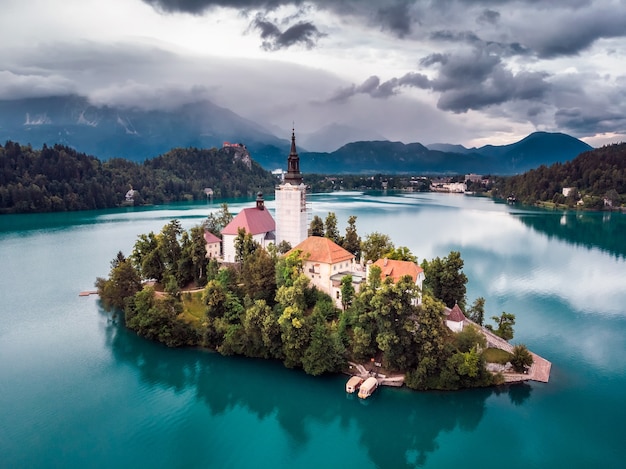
(538,371)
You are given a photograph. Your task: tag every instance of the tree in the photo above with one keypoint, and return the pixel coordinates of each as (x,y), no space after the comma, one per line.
(374,246)
(332,232)
(169,247)
(477,311)
(217,221)
(146,257)
(347,291)
(505,323)
(245,245)
(521,358)
(123,283)
(352,241)
(445,279)
(317,226)
(283,247)
(325,351)
(401,253)
(258,276)
(430,348)
(469,338)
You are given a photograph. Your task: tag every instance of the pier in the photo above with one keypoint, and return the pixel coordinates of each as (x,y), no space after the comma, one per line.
(88,292)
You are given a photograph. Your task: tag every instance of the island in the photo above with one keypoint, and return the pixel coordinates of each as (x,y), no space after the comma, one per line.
(317,306)
(304,294)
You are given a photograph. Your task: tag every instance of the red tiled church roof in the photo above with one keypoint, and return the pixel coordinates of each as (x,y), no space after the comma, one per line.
(254,220)
(456,315)
(398,269)
(322,250)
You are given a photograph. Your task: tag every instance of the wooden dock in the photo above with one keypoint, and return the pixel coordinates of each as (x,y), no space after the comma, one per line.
(88,292)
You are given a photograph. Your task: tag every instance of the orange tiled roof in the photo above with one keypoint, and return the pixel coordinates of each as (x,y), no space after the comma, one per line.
(398,269)
(254,220)
(322,250)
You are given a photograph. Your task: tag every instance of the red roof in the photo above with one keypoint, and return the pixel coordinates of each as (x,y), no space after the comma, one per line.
(210,238)
(254,220)
(456,315)
(398,269)
(318,249)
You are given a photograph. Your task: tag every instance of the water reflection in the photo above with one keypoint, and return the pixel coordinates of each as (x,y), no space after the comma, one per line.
(590,229)
(396,427)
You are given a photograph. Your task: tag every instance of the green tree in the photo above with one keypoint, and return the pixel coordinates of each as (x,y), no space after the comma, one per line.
(469,338)
(325,351)
(170,250)
(352,241)
(123,282)
(217,221)
(401,253)
(347,291)
(431,349)
(258,276)
(477,311)
(374,246)
(294,326)
(504,323)
(245,245)
(316,228)
(332,232)
(445,279)
(157,319)
(146,257)
(521,358)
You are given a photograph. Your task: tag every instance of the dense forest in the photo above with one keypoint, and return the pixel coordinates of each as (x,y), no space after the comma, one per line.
(598,179)
(60,179)
(265,307)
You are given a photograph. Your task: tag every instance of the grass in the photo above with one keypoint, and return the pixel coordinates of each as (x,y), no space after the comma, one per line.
(193,309)
(495,355)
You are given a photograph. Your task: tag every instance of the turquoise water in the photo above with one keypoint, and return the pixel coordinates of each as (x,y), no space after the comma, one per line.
(78,390)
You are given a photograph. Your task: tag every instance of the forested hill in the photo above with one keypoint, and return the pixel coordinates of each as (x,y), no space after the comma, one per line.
(59,179)
(595,176)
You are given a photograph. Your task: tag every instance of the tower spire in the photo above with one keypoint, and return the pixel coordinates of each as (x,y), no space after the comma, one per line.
(293,175)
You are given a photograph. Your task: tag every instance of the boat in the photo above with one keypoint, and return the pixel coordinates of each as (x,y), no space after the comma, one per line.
(368,387)
(353,384)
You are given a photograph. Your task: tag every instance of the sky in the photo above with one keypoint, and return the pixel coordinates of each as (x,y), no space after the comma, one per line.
(469,72)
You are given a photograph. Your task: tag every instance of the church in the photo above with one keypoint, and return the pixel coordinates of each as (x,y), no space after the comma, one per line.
(292,214)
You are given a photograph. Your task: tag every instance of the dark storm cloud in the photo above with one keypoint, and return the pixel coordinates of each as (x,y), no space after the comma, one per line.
(464,81)
(301,33)
(396,18)
(589,122)
(489,16)
(575,33)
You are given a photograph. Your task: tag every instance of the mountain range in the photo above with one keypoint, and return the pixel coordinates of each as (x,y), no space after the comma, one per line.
(137,134)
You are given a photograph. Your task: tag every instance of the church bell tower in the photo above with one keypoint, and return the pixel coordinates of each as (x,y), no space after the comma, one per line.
(291,210)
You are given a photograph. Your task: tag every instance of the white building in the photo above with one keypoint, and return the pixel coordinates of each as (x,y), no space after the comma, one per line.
(257,221)
(292,217)
(455,318)
(326,263)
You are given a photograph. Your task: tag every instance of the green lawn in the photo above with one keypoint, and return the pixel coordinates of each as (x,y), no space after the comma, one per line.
(193,309)
(495,355)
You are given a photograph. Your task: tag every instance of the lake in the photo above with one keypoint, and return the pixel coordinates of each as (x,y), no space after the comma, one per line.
(78,390)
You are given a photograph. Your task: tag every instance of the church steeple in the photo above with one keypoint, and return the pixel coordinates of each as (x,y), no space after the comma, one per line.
(293,176)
